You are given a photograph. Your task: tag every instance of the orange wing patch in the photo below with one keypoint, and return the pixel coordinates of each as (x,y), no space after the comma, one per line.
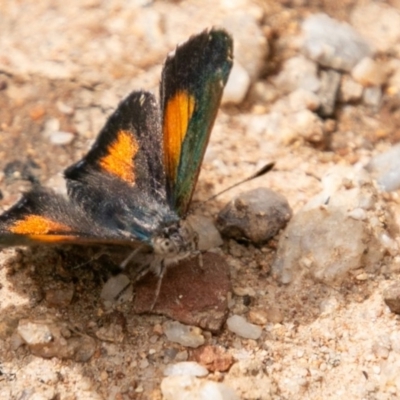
(37,225)
(119,160)
(177,115)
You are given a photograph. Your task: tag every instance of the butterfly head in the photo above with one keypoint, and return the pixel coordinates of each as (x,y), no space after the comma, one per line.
(175,241)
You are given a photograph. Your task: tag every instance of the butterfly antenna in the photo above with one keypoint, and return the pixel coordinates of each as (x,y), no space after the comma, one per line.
(266,168)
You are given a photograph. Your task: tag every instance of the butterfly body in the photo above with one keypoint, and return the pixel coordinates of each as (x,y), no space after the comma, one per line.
(135,184)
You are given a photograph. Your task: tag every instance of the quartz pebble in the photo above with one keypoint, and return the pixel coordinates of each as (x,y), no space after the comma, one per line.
(188,368)
(117,289)
(372,96)
(251,45)
(325,241)
(385,167)
(209,236)
(241,327)
(256,216)
(189,336)
(237,86)
(332,43)
(297,72)
(61,138)
(188,387)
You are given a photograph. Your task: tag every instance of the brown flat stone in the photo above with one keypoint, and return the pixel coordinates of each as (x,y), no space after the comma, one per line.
(189,294)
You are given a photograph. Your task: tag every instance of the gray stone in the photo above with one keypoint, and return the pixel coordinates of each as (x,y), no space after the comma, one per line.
(254,216)
(386,168)
(251,45)
(328,92)
(332,43)
(340,230)
(372,96)
(298,72)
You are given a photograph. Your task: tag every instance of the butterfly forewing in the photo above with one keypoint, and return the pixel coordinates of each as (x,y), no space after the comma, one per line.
(191,88)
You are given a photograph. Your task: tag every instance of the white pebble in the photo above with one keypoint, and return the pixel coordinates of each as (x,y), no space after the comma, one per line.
(189,336)
(242,328)
(237,86)
(61,138)
(333,43)
(114,287)
(189,368)
(187,387)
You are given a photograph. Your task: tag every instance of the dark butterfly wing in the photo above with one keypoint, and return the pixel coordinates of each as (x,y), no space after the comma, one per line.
(192,84)
(128,150)
(43,216)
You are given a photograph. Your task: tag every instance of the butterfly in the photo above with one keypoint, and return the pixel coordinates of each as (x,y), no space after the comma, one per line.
(135,184)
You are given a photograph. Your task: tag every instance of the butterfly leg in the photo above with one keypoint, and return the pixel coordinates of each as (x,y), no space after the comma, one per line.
(161,274)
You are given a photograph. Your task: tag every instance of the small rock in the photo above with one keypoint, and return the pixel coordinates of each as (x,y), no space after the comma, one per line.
(187,368)
(251,45)
(111,333)
(189,293)
(328,92)
(35,333)
(386,168)
(255,216)
(64,108)
(8,325)
(298,73)
(372,96)
(209,237)
(303,124)
(391,296)
(368,73)
(350,90)
(60,297)
(117,289)
(237,86)
(61,138)
(45,339)
(274,315)
(379,24)
(298,100)
(51,125)
(188,387)
(188,336)
(323,241)
(332,43)
(258,317)
(242,328)
(214,358)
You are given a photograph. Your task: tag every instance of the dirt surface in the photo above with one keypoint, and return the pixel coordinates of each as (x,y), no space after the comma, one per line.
(64,66)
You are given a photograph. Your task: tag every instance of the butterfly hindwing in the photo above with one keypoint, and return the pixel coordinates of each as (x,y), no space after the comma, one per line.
(192,84)
(43,216)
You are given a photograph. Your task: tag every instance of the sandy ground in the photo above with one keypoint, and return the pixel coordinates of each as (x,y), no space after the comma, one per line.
(64,67)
